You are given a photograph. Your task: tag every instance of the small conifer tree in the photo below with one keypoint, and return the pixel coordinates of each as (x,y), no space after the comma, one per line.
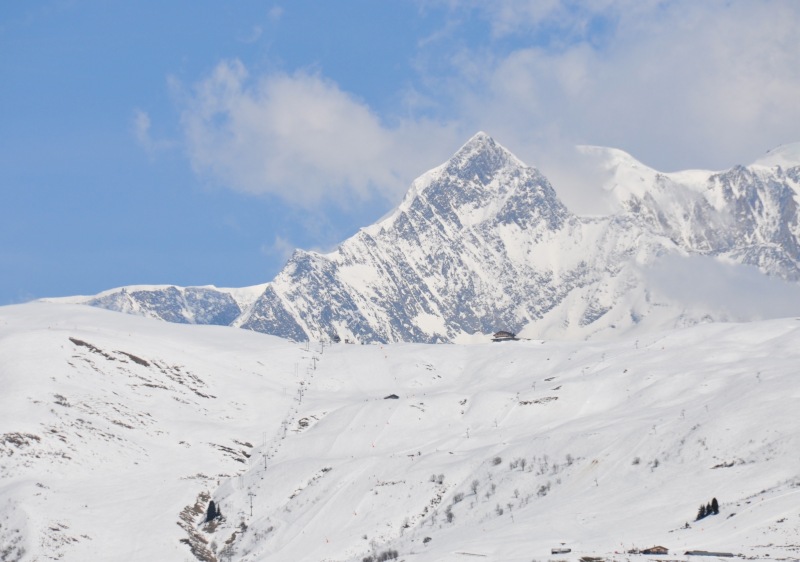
(211,512)
(714,506)
(701,512)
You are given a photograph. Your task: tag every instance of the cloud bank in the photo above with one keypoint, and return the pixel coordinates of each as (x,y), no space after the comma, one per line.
(678,84)
(740,292)
(301,137)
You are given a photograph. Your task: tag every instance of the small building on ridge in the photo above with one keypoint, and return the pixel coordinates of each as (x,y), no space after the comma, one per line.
(504,336)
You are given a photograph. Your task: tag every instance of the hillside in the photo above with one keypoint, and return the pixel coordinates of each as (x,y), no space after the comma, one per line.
(117,430)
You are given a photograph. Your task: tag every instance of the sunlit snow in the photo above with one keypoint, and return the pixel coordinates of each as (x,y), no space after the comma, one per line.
(117,431)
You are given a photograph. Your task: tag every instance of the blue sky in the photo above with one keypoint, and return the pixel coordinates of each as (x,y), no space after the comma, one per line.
(197,143)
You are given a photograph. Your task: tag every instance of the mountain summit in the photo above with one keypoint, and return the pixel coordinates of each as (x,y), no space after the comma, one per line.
(483,243)
(481,180)
(443,263)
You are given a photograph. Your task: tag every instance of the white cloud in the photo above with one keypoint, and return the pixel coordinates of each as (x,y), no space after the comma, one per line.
(275,13)
(253,35)
(678,84)
(141,127)
(741,292)
(570,18)
(141,130)
(300,137)
(281,248)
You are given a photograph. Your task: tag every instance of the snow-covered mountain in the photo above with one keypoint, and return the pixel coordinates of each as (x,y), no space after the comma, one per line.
(745,215)
(117,431)
(483,243)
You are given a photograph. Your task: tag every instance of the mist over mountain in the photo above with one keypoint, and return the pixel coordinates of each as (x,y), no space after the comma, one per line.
(483,243)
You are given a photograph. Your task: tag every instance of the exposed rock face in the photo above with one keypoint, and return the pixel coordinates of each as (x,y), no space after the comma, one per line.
(190,305)
(483,243)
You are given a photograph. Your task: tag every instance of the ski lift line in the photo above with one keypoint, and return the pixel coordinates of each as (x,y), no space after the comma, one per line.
(290,417)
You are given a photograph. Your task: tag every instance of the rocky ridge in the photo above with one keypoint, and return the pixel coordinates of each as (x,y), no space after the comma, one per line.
(483,243)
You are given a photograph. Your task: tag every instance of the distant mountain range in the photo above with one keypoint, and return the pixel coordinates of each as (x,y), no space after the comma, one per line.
(483,243)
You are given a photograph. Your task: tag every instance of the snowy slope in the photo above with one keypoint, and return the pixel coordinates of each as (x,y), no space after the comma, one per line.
(111,424)
(482,243)
(785,156)
(117,431)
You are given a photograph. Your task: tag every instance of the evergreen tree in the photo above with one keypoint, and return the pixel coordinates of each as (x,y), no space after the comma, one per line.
(211,512)
(709,511)
(714,507)
(701,512)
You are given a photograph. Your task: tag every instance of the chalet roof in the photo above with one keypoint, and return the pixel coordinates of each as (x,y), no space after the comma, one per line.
(502,335)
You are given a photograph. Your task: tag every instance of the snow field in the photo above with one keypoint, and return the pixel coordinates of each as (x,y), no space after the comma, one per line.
(500,450)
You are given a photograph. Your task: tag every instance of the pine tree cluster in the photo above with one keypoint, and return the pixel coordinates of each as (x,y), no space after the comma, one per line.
(711,508)
(382,557)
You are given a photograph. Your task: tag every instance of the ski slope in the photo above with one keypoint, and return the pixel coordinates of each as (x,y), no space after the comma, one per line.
(116,431)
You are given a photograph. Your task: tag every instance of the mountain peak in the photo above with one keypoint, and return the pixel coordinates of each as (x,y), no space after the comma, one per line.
(480,138)
(482,242)
(478,180)
(482,151)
